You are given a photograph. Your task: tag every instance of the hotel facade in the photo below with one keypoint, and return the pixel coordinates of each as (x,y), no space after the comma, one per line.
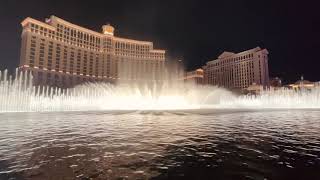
(195,76)
(62,54)
(238,70)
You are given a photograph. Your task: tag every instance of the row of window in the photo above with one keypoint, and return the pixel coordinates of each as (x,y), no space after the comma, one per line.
(64,58)
(235,75)
(85,40)
(73,60)
(231,60)
(45,78)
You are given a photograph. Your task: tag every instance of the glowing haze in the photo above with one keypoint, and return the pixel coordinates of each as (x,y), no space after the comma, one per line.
(18,95)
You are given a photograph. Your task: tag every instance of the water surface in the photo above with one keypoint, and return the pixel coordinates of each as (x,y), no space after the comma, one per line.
(194,144)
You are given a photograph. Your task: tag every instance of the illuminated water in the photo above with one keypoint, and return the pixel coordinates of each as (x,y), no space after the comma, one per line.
(167,130)
(18,95)
(193,144)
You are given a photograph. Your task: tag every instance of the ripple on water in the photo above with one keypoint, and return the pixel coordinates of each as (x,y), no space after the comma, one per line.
(237,145)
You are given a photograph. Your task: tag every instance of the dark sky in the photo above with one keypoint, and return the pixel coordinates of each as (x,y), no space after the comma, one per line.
(196,31)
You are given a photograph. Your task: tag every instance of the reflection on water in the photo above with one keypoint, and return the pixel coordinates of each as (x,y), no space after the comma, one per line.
(161,145)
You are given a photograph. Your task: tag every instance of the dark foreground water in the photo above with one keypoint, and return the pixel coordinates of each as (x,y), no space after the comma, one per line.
(161,145)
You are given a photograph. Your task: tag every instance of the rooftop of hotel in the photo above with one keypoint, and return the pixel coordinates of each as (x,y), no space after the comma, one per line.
(49,24)
(227,54)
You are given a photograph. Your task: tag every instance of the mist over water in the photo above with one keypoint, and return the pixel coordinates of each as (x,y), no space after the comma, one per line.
(163,129)
(19,95)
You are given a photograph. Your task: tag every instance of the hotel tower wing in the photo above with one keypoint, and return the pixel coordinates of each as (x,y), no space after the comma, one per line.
(62,54)
(238,70)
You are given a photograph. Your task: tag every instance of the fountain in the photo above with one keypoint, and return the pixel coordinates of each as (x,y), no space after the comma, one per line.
(150,126)
(17,94)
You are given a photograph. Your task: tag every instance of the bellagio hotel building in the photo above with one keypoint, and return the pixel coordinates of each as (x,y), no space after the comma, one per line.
(59,53)
(238,70)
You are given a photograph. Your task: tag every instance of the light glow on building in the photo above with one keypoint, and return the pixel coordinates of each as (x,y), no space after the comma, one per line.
(238,70)
(63,54)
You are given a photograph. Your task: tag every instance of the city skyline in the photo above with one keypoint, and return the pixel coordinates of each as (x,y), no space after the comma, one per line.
(194,32)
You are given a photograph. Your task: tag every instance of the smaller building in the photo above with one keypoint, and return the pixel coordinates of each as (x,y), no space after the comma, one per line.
(303,84)
(255,88)
(195,76)
(275,82)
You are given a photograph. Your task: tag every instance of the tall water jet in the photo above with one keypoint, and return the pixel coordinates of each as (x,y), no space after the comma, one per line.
(17,94)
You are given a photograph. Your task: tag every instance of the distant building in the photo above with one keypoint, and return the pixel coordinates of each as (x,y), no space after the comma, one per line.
(195,76)
(275,82)
(255,88)
(63,54)
(303,84)
(238,70)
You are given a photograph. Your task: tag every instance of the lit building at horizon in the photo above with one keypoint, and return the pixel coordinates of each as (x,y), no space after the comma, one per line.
(63,54)
(303,84)
(195,76)
(238,70)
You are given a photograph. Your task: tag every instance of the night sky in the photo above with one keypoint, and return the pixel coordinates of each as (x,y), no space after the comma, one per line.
(195,31)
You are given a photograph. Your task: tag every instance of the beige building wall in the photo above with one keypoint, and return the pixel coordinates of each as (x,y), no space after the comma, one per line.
(238,70)
(195,76)
(63,54)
